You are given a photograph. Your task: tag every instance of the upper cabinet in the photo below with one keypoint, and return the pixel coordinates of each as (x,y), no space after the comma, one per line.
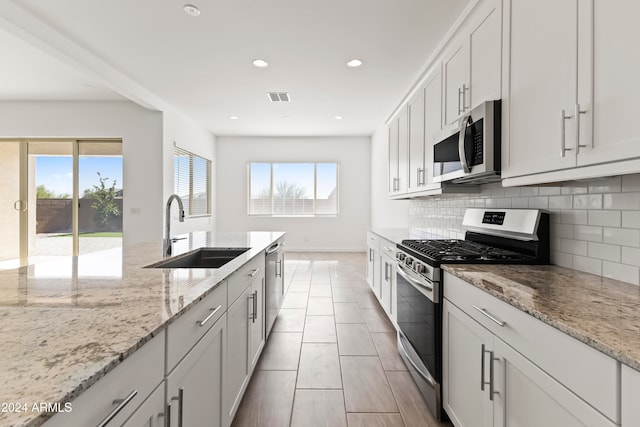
(398,153)
(569,90)
(472,65)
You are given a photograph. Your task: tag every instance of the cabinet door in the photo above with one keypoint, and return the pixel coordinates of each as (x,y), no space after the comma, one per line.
(485,61)
(196,384)
(256,325)
(151,413)
(371,272)
(432,119)
(615,84)
(385,283)
(629,397)
(416,141)
(466,345)
(393,156)
(542,83)
(454,69)
(527,397)
(403,151)
(237,352)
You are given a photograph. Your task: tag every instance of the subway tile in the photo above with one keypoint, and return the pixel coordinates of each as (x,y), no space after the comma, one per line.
(504,203)
(587,233)
(574,247)
(604,218)
(573,217)
(631,219)
(604,251)
(631,256)
(621,236)
(589,265)
(512,192)
(587,201)
(529,191)
(520,202)
(631,182)
(550,191)
(574,188)
(564,231)
(625,273)
(538,202)
(605,185)
(560,202)
(624,201)
(562,259)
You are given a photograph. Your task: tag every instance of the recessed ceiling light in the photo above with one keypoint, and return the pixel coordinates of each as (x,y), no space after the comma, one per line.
(338,117)
(233,117)
(354,63)
(191,10)
(260,63)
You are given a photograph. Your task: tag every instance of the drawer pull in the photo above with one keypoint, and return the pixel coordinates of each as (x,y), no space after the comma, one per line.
(206,319)
(180,399)
(487,314)
(254,272)
(121,404)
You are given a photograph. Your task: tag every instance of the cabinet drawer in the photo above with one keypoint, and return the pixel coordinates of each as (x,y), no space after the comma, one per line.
(372,239)
(387,247)
(187,330)
(587,372)
(243,277)
(140,372)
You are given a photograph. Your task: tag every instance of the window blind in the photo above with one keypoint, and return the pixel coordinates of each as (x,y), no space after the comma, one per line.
(192,182)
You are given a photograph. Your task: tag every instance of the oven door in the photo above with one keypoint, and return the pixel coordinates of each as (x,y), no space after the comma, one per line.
(420,333)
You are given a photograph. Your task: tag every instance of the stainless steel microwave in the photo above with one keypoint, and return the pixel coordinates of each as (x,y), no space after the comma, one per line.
(470,153)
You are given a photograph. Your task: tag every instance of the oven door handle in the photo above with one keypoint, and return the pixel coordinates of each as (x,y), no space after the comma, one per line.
(425,375)
(461,150)
(410,279)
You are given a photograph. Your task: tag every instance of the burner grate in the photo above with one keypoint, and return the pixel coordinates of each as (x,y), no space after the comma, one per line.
(460,250)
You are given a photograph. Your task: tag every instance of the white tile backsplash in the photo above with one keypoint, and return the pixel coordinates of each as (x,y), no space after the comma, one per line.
(595,224)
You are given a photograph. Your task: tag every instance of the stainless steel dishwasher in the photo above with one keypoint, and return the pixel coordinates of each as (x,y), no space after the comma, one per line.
(274,283)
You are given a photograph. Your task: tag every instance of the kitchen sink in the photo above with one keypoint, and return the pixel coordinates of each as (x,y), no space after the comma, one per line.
(202,258)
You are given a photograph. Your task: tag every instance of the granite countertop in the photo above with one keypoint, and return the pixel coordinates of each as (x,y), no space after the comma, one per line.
(600,312)
(67,322)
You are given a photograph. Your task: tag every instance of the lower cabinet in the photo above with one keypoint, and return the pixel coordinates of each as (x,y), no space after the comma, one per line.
(195,386)
(486,382)
(388,289)
(373,263)
(257,320)
(629,395)
(151,413)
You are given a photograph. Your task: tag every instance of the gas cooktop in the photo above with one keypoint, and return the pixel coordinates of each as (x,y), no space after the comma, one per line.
(459,251)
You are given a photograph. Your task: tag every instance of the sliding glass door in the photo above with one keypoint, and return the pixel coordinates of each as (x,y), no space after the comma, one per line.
(59,198)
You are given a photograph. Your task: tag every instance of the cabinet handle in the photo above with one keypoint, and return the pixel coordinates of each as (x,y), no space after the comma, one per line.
(577,113)
(180,399)
(460,110)
(279,263)
(563,129)
(255,306)
(482,381)
(371,254)
(167,420)
(121,404)
(206,319)
(464,97)
(491,382)
(421,176)
(487,314)
(254,272)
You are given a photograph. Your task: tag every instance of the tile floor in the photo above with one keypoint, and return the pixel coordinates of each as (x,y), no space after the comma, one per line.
(331,359)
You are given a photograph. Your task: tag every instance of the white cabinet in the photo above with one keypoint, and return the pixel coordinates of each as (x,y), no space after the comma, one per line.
(387,277)
(117,395)
(399,153)
(417,177)
(373,262)
(465,344)
(151,413)
(472,65)
(629,396)
(245,324)
(194,387)
(570,90)
(502,367)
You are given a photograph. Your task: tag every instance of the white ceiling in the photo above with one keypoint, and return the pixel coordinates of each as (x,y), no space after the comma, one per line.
(154,53)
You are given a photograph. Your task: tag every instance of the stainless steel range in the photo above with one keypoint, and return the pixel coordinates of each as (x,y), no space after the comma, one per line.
(493,236)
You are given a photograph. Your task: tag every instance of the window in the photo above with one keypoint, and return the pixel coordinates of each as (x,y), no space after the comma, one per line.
(293,189)
(192,182)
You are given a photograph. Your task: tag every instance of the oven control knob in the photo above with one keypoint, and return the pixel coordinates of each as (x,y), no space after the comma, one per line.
(408,261)
(400,256)
(420,268)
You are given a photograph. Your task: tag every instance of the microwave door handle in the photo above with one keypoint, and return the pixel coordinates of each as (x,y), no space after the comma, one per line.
(461,151)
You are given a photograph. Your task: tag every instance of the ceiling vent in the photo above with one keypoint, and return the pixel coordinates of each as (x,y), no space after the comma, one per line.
(279,96)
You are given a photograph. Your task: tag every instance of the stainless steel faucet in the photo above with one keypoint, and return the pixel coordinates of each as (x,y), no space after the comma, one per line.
(167,231)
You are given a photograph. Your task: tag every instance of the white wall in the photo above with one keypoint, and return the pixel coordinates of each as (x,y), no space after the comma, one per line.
(385,213)
(345,232)
(141,134)
(186,134)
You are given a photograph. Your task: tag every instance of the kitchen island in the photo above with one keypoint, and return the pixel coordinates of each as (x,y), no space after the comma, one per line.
(68,323)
